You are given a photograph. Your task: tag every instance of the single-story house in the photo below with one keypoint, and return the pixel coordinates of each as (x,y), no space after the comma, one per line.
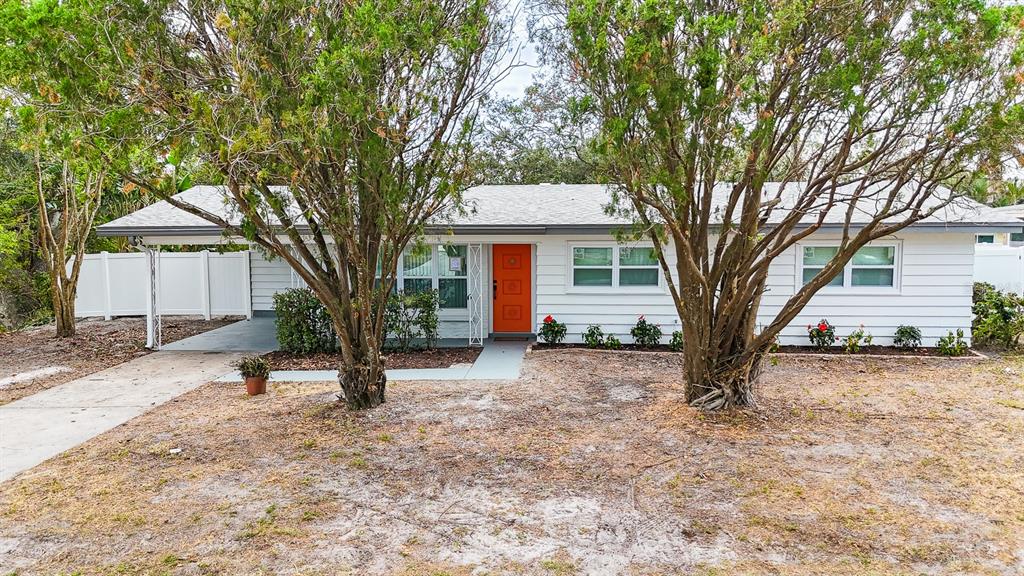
(520,253)
(1014,212)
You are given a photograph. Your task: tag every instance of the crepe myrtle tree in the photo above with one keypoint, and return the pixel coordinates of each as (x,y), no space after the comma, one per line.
(338,128)
(871,115)
(364,110)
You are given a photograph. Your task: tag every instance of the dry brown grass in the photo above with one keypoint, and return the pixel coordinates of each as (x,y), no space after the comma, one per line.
(97,345)
(591,464)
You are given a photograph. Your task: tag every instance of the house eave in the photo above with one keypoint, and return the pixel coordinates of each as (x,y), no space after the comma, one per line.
(213,231)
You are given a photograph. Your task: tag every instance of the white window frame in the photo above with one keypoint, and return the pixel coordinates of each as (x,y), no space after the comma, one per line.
(977,238)
(615,286)
(848,287)
(435,277)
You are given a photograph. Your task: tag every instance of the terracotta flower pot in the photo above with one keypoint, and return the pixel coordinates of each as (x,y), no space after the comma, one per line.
(255,385)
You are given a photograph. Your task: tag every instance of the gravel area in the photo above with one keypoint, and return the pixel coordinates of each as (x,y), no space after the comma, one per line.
(35,359)
(436,358)
(591,463)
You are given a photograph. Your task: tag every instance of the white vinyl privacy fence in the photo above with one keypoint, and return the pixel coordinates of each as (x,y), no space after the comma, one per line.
(1001,266)
(190,283)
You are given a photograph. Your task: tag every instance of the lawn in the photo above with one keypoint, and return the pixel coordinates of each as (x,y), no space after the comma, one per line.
(590,464)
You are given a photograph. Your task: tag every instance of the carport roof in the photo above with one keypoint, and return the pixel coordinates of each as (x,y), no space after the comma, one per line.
(521,209)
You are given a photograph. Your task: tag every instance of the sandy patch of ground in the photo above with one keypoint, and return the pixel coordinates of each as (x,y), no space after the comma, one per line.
(98,344)
(849,466)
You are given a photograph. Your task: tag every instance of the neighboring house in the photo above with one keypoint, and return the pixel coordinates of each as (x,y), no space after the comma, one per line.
(1015,212)
(522,252)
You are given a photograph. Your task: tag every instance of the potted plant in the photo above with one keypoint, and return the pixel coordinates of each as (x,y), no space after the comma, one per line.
(255,370)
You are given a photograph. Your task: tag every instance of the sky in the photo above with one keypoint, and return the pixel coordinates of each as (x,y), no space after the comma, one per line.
(521,76)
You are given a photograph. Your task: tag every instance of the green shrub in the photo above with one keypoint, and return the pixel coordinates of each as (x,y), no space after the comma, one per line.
(822,335)
(411,316)
(645,334)
(593,337)
(612,343)
(907,337)
(676,343)
(552,331)
(998,317)
(858,338)
(980,290)
(303,324)
(24,297)
(426,304)
(953,344)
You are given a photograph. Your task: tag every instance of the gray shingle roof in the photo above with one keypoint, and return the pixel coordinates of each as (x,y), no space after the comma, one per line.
(1015,211)
(497,209)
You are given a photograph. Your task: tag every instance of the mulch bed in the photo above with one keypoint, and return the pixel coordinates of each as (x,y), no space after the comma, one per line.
(436,358)
(624,348)
(874,350)
(835,350)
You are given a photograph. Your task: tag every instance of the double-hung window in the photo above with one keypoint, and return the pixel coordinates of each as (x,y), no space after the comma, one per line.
(452,284)
(614,266)
(418,269)
(872,266)
(441,268)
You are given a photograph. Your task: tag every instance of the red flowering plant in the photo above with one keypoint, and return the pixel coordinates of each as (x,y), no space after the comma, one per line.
(552,331)
(821,335)
(645,334)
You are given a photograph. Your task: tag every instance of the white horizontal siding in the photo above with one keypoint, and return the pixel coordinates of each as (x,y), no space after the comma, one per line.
(615,312)
(272,276)
(268,278)
(934,294)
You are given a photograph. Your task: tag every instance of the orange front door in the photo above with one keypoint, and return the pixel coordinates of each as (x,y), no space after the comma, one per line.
(512,293)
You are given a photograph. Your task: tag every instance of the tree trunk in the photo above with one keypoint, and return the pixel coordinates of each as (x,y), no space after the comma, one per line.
(721,381)
(363,381)
(63,310)
(722,363)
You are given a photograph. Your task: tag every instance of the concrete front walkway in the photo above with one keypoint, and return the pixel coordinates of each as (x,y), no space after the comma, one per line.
(498,360)
(43,425)
(254,335)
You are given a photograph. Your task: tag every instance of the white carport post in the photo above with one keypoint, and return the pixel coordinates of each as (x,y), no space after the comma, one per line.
(154,328)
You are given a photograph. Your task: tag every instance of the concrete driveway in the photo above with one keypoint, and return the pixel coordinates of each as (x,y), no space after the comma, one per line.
(43,425)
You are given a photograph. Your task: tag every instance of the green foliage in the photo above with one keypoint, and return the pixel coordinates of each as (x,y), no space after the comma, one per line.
(594,337)
(412,316)
(998,317)
(303,324)
(676,343)
(700,105)
(253,367)
(822,335)
(980,290)
(858,338)
(645,334)
(364,110)
(907,337)
(953,344)
(612,342)
(532,140)
(427,320)
(552,331)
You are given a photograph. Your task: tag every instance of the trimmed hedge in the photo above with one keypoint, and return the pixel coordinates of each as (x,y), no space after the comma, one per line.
(303,324)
